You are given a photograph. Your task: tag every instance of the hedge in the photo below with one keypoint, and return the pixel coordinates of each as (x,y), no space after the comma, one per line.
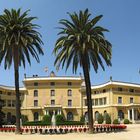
(40,123)
(116,121)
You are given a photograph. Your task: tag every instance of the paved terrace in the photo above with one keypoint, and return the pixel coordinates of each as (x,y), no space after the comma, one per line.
(132,132)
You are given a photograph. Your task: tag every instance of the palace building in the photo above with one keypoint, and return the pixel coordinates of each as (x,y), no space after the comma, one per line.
(66,95)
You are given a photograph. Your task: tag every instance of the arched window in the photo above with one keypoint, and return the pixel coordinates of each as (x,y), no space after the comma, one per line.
(9,118)
(36,116)
(70,116)
(120,114)
(96,115)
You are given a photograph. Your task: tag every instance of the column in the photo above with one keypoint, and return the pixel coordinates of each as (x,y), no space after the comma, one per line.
(133,117)
(136,114)
(54,112)
(128,114)
(60,112)
(47,112)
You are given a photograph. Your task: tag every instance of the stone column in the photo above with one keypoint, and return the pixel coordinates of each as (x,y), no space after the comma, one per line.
(128,114)
(47,112)
(133,115)
(60,112)
(136,114)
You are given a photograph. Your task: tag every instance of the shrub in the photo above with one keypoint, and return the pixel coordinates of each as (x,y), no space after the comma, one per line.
(46,119)
(100,119)
(41,123)
(116,121)
(70,123)
(36,123)
(82,119)
(107,118)
(59,118)
(126,121)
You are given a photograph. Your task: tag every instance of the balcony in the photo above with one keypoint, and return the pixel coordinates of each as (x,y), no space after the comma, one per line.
(53,106)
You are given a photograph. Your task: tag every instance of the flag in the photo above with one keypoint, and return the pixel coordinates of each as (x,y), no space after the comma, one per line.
(46,69)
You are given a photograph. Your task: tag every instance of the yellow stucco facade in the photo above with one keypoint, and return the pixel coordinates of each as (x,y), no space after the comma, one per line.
(66,95)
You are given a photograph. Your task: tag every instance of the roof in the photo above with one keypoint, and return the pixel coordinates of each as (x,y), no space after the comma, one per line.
(11,88)
(119,83)
(52,78)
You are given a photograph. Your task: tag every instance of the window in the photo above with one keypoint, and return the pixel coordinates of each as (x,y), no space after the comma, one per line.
(69,92)
(35,83)
(100,101)
(96,115)
(131,90)
(70,116)
(52,93)
(52,83)
(36,116)
(52,102)
(9,103)
(13,103)
(131,100)
(0,92)
(35,102)
(96,101)
(120,89)
(119,100)
(9,93)
(4,103)
(69,102)
(104,90)
(69,83)
(120,114)
(35,93)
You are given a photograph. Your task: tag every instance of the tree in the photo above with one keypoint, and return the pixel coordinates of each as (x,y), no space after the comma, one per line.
(19,39)
(82,43)
(2,115)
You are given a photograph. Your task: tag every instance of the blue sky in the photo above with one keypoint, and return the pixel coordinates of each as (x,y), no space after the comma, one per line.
(121,17)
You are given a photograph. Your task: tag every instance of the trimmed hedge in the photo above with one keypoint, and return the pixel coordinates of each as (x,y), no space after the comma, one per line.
(107,118)
(116,121)
(82,119)
(40,123)
(36,123)
(100,119)
(46,119)
(59,119)
(71,123)
(126,121)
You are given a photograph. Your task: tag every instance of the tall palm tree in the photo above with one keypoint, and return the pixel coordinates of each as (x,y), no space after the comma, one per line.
(18,41)
(82,43)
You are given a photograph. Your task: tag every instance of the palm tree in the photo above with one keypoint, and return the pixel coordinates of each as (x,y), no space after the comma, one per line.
(82,43)
(18,41)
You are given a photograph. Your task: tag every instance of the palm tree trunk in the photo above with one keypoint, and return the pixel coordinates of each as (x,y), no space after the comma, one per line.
(88,94)
(18,114)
